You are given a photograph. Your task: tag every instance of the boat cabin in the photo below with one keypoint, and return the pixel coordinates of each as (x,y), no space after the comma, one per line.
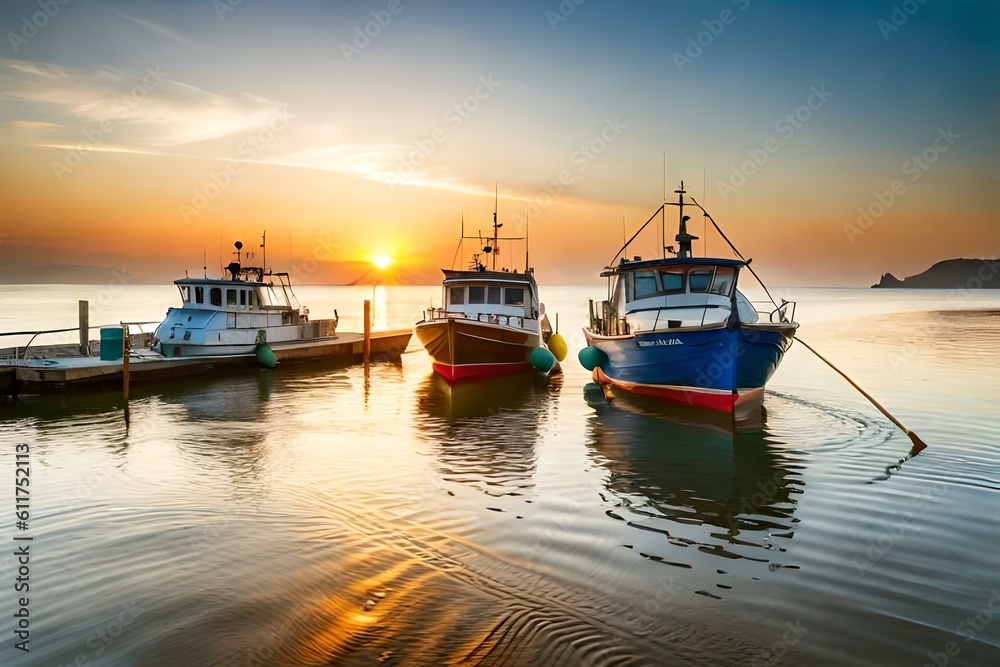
(243,304)
(680,292)
(245,292)
(499,297)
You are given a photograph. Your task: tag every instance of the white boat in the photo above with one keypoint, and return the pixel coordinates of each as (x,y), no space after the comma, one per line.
(237,314)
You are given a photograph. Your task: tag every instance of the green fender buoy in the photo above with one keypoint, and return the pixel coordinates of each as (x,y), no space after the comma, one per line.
(265,355)
(590,357)
(542,359)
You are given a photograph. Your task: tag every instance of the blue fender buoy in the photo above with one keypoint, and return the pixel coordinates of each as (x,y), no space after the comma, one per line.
(542,359)
(590,357)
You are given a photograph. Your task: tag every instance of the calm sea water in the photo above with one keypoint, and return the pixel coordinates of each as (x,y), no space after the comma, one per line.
(313,516)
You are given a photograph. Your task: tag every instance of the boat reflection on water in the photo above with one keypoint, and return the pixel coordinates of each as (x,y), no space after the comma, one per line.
(484,433)
(731,494)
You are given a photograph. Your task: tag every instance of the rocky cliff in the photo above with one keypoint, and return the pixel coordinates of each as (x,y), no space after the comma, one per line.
(951,274)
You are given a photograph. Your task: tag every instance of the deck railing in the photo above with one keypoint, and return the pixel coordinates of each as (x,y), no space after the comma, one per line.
(516,321)
(780,312)
(605,321)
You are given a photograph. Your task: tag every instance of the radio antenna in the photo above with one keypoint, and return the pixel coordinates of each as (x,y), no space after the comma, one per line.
(704,218)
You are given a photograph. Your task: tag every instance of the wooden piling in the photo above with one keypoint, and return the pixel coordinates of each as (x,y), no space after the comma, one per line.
(85,328)
(367,347)
(126,349)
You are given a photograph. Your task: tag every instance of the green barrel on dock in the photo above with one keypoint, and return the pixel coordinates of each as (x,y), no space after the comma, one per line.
(111,344)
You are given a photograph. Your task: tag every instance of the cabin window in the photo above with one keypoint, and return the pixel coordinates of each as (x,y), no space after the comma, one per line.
(513,296)
(199,294)
(644,283)
(243,297)
(185,294)
(725,276)
(216,296)
(699,280)
(477,295)
(494,295)
(672,281)
(252,298)
(230,297)
(456,296)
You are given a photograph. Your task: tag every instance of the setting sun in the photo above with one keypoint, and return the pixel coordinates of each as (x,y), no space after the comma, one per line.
(382,261)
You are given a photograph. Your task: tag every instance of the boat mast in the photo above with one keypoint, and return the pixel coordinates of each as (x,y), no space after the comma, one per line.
(263,245)
(663,210)
(496,203)
(525,241)
(683,238)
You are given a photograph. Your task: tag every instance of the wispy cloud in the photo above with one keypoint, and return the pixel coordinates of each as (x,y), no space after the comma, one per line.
(148,112)
(159,30)
(148,108)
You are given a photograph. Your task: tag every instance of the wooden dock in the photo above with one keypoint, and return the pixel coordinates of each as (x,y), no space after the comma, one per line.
(53,369)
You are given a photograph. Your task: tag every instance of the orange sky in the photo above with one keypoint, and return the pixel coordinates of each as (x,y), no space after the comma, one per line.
(154,135)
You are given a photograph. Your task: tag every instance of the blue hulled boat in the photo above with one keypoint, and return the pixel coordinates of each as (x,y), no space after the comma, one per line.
(677,328)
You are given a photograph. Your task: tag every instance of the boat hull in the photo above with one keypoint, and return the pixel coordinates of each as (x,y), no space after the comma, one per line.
(463,349)
(718,369)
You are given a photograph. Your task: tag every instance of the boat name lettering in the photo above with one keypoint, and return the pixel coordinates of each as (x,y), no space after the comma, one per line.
(659,341)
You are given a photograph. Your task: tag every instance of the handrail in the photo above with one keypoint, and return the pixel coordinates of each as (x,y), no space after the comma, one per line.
(692,305)
(25,333)
(780,311)
(23,352)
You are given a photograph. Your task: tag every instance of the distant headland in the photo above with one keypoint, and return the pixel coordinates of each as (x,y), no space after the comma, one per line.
(950,274)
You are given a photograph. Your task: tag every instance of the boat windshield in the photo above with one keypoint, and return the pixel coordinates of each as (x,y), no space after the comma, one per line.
(717,280)
(271,298)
